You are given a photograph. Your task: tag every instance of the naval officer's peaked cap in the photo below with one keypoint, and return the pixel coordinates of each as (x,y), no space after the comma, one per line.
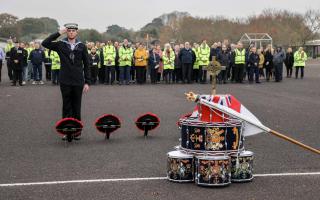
(71,26)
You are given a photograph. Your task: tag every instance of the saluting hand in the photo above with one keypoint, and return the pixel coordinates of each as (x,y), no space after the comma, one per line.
(63,31)
(86,88)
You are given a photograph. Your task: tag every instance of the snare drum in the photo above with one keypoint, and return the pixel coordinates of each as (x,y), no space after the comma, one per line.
(242,167)
(212,170)
(198,136)
(180,167)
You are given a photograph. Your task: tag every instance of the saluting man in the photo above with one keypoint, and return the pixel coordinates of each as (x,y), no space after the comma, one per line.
(74,76)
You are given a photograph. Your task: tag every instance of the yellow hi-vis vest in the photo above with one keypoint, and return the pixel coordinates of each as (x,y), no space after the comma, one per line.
(109,55)
(240,56)
(168,61)
(55,60)
(204,55)
(299,60)
(196,63)
(125,56)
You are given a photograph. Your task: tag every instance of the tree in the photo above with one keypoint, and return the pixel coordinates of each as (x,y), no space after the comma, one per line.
(50,25)
(89,35)
(31,26)
(115,29)
(7,20)
(312,21)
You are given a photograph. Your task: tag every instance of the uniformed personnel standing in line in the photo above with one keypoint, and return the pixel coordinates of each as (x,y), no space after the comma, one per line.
(74,76)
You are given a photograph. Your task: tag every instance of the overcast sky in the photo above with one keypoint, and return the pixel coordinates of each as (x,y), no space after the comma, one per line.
(134,14)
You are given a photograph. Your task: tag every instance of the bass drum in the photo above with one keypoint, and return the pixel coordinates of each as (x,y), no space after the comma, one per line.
(220,137)
(242,167)
(180,167)
(212,170)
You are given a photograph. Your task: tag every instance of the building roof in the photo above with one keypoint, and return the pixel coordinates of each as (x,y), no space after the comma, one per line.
(313,43)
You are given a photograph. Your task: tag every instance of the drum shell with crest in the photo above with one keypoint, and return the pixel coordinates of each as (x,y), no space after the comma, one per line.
(180,167)
(211,137)
(242,166)
(212,170)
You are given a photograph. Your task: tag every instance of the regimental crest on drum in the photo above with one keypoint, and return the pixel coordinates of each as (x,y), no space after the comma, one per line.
(180,169)
(197,138)
(213,172)
(242,168)
(214,139)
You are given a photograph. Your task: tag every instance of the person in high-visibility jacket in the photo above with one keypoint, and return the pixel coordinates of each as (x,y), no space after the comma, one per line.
(125,61)
(195,73)
(55,66)
(300,58)
(30,66)
(203,60)
(168,58)
(47,64)
(140,57)
(240,61)
(108,60)
(7,50)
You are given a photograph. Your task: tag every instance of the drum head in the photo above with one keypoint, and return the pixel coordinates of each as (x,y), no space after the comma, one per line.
(107,123)
(179,154)
(210,157)
(243,154)
(149,119)
(69,126)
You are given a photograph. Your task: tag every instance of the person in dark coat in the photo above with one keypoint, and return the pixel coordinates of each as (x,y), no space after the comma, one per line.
(268,62)
(37,57)
(17,59)
(74,74)
(289,62)
(94,61)
(225,59)
(177,73)
(232,62)
(153,64)
(278,60)
(187,58)
(24,62)
(253,65)
(116,46)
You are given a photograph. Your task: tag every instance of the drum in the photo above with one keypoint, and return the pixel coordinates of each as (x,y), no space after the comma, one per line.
(242,167)
(219,137)
(212,170)
(180,167)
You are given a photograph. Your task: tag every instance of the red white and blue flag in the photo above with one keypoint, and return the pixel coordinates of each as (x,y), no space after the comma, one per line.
(228,103)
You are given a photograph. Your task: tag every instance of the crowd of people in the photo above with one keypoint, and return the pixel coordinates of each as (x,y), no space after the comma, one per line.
(127,63)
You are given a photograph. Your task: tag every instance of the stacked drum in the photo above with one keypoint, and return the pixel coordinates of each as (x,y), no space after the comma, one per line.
(210,153)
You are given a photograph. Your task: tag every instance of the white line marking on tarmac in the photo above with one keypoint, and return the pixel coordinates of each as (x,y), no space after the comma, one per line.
(138,179)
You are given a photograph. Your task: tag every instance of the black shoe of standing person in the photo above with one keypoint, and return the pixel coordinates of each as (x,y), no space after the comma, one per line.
(13,84)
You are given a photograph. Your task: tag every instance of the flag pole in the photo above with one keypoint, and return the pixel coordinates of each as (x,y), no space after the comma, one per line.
(194,97)
(294,141)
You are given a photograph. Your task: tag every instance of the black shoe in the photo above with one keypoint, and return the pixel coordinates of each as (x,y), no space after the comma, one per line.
(258,82)
(13,84)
